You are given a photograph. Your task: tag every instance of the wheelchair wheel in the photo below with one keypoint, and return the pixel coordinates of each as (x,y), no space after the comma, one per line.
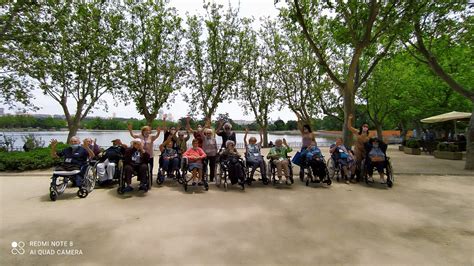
(82,193)
(248,181)
(328,182)
(160,179)
(53,195)
(390,178)
(331,169)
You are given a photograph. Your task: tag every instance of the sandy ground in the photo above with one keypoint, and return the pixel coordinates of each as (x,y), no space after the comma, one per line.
(424,219)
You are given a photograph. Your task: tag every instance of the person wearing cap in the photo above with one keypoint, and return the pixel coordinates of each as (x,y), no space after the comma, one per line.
(147,140)
(109,160)
(362,137)
(224,130)
(136,159)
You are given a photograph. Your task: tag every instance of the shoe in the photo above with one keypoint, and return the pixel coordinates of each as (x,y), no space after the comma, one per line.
(143,187)
(317,180)
(280,180)
(370,179)
(200,184)
(353,181)
(127,189)
(194,183)
(253,179)
(383,181)
(347,182)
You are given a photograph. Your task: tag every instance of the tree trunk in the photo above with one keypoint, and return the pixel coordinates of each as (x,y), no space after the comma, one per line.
(378,127)
(470,144)
(73,126)
(349,108)
(403,131)
(265,137)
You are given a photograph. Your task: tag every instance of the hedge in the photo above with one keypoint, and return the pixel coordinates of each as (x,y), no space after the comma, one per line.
(21,161)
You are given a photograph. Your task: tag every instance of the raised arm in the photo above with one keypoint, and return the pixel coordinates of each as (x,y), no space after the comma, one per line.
(130,129)
(188,125)
(219,126)
(165,128)
(158,131)
(349,125)
(85,145)
(54,142)
(163,145)
(299,124)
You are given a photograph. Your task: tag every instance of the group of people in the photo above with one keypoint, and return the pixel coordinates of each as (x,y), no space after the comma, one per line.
(204,154)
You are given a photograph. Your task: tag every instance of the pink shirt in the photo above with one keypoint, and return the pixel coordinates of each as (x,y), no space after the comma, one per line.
(191,152)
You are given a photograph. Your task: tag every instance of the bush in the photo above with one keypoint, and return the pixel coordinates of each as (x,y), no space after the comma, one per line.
(413,144)
(36,159)
(448,147)
(32,142)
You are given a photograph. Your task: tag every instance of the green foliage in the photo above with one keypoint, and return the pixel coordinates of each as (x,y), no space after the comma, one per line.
(25,121)
(151,63)
(72,55)
(448,147)
(413,143)
(32,142)
(214,58)
(21,161)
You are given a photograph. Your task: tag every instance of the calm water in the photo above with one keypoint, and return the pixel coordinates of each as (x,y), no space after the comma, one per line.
(104,137)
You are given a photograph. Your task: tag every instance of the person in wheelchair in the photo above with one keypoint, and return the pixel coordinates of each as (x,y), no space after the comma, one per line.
(231,160)
(195,156)
(343,157)
(278,156)
(136,160)
(109,161)
(169,158)
(313,157)
(253,156)
(376,157)
(75,157)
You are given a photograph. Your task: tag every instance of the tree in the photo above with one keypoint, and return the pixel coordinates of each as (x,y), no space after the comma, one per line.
(214,64)
(15,90)
(75,57)
(359,31)
(152,59)
(298,76)
(257,92)
(446,27)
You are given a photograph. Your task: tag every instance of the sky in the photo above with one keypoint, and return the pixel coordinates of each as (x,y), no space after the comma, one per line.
(248,8)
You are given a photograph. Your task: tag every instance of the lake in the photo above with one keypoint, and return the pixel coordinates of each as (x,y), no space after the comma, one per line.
(104,137)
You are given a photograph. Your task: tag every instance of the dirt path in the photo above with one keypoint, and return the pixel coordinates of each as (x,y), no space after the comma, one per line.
(422,220)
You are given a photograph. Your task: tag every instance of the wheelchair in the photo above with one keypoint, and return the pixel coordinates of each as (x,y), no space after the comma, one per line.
(184,179)
(116,177)
(388,171)
(272,171)
(161,176)
(57,187)
(307,172)
(122,184)
(335,169)
(250,167)
(222,175)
